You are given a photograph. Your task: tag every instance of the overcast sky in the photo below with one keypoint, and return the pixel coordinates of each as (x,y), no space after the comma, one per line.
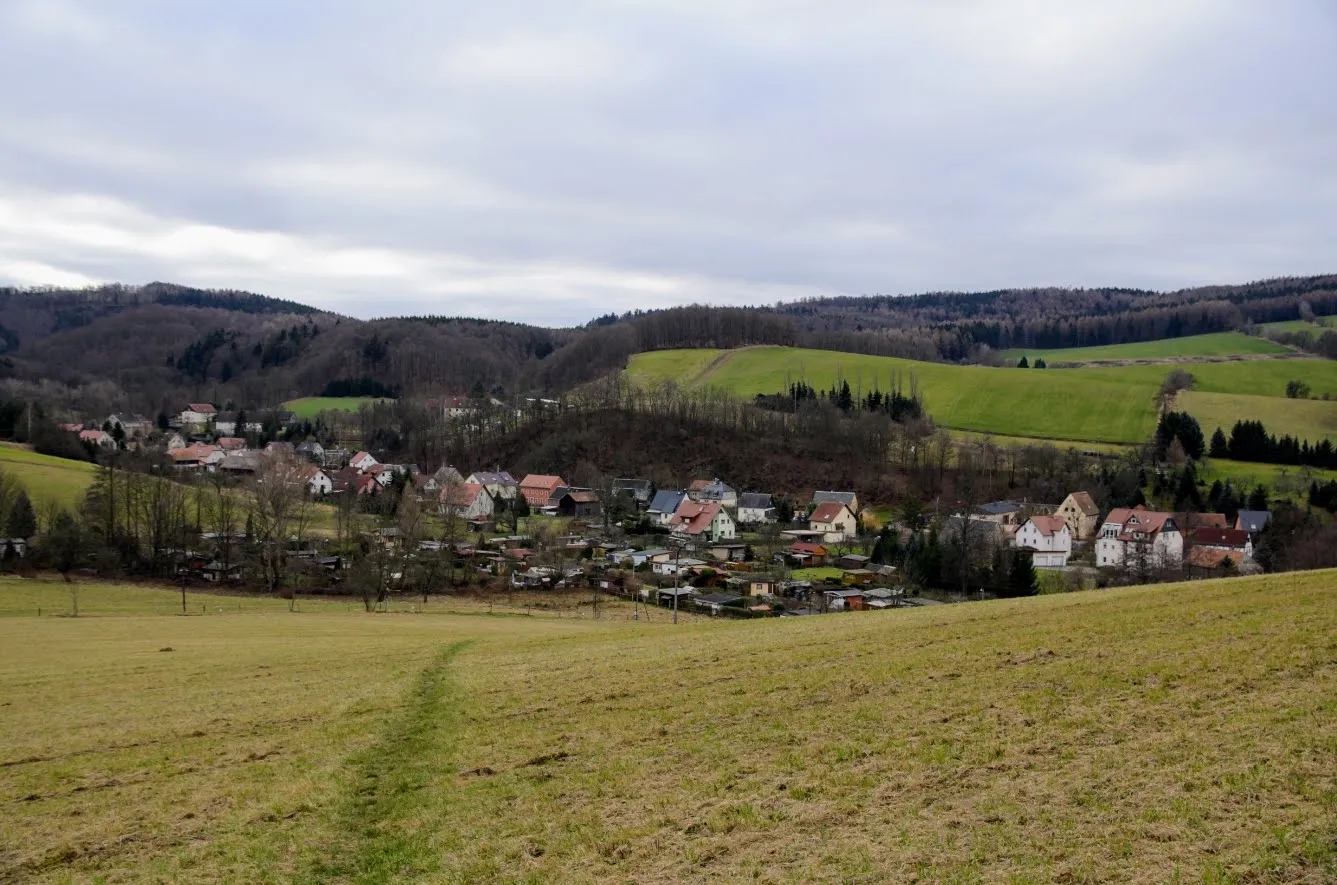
(550,162)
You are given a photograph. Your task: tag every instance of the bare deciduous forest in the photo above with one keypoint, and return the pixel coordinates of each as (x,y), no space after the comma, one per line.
(149,348)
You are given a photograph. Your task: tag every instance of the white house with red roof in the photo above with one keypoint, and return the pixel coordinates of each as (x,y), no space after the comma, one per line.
(98,438)
(835,521)
(362,461)
(197,414)
(318,482)
(468,500)
(1047,539)
(1135,535)
(704,521)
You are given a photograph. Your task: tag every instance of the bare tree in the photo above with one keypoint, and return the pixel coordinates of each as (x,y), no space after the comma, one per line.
(280,513)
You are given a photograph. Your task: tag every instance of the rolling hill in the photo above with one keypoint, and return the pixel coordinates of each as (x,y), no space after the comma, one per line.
(1106,404)
(1218,344)
(1178,733)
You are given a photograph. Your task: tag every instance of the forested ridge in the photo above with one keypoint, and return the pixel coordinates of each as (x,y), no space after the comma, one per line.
(149,347)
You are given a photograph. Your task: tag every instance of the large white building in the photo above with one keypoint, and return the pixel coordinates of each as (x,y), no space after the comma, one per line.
(1047,539)
(1139,537)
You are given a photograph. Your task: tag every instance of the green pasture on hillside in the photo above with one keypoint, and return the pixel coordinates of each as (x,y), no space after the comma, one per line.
(1283,479)
(1317,327)
(47,479)
(1215,344)
(311,406)
(1113,404)
(1175,733)
(1254,378)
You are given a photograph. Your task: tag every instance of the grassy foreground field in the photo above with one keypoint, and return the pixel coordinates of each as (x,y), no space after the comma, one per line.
(311,406)
(1215,344)
(1177,733)
(1110,404)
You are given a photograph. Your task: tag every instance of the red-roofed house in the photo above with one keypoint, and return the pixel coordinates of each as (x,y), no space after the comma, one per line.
(468,500)
(197,414)
(231,443)
(1135,535)
(835,521)
(539,488)
(362,461)
(705,521)
(1048,540)
(97,438)
(198,455)
(349,480)
(1234,540)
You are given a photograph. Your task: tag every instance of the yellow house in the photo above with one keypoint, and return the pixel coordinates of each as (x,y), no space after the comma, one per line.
(1081,514)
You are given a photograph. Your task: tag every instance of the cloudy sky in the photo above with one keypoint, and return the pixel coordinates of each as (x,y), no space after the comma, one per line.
(554,161)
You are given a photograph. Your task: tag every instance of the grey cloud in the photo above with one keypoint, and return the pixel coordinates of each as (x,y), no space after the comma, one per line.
(554,161)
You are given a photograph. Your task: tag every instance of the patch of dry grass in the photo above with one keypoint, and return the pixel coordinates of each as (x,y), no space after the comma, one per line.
(1150,734)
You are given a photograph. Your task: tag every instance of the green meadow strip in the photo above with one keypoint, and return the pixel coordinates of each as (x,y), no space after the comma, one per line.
(381,836)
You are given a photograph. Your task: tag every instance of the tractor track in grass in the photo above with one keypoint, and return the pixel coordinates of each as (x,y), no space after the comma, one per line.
(378,834)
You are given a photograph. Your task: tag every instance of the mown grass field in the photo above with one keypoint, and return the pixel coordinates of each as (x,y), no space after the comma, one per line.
(47,479)
(1215,344)
(1112,404)
(311,406)
(1177,733)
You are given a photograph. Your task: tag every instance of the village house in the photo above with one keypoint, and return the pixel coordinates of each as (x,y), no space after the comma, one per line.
(349,481)
(226,424)
(580,502)
(1138,535)
(231,443)
(457,406)
(238,463)
(468,500)
(318,482)
(652,556)
(362,461)
(499,484)
(755,508)
(277,449)
(849,499)
(1212,562)
(638,490)
(708,490)
(99,438)
(197,415)
(853,561)
(843,599)
(131,425)
(835,521)
(539,489)
(1080,512)
(664,504)
(709,521)
(1253,521)
(1048,540)
(312,451)
(198,455)
(725,552)
(1232,540)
